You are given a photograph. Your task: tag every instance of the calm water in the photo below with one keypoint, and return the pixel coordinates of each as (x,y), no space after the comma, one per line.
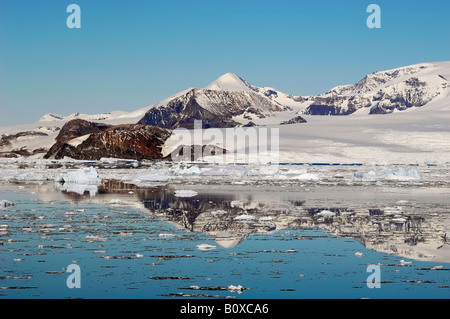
(143,243)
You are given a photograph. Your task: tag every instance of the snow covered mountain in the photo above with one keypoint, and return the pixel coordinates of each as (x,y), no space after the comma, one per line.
(386,91)
(230,101)
(216,105)
(216,108)
(380,92)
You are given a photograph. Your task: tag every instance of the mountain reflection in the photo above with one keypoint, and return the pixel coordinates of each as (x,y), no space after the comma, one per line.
(230,216)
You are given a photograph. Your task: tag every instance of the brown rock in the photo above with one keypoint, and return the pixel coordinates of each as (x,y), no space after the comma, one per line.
(127,141)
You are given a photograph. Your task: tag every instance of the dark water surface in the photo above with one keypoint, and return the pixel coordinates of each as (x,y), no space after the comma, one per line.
(238,242)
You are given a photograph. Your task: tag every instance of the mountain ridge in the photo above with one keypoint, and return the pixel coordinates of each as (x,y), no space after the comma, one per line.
(399,86)
(230,101)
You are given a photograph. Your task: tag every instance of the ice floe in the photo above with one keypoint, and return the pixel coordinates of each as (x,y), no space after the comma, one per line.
(389,173)
(326,214)
(244,217)
(185,193)
(206,247)
(94,238)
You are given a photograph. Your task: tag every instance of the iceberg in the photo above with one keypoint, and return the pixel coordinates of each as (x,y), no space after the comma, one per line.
(82,176)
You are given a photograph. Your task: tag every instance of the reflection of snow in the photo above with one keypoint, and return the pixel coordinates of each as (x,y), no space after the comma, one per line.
(77,188)
(79,182)
(87,176)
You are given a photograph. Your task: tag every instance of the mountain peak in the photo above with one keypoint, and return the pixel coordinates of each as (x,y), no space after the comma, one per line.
(229,82)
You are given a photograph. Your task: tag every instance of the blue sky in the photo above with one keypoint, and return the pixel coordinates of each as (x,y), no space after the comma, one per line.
(130,54)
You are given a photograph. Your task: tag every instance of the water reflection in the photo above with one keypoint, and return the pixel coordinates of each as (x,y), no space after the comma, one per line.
(416,228)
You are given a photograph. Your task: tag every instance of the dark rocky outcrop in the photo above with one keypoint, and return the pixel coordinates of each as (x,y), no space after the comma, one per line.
(76,128)
(127,141)
(70,130)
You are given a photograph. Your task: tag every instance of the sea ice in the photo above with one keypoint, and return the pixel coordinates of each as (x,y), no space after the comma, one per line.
(387,173)
(206,247)
(94,238)
(306,177)
(150,176)
(163,235)
(226,171)
(185,193)
(4,204)
(326,213)
(233,288)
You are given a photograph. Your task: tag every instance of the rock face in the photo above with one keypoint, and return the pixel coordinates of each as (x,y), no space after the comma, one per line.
(71,130)
(77,128)
(215,108)
(85,140)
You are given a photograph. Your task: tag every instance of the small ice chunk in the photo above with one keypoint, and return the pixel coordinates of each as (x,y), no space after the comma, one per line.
(234,288)
(206,247)
(306,177)
(326,213)
(398,220)
(185,193)
(93,238)
(389,173)
(439,267)
(358,254)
